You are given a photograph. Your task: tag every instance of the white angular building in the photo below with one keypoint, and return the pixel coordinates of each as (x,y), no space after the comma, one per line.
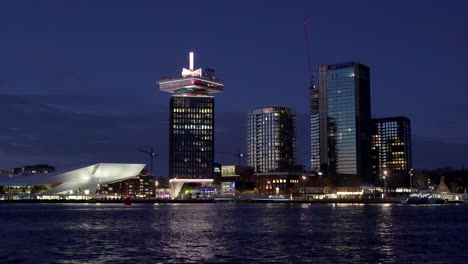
(82,180)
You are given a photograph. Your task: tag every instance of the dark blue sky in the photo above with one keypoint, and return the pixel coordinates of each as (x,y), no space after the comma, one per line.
(77,79)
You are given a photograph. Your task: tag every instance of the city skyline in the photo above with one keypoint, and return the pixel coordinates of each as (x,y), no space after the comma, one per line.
(96,85)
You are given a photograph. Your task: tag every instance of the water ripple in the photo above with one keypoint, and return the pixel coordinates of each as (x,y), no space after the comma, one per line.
(232,233)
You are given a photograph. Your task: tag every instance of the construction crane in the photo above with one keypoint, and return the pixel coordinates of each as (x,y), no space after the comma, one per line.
(239,155)
(309,55)
(152,155)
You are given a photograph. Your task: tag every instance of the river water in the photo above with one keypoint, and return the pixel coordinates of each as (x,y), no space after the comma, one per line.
(233,233)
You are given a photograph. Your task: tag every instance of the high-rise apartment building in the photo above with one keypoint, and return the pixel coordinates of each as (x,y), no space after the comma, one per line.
(191,126)
(314,130)
(391,149)
(271,139)
(345,122)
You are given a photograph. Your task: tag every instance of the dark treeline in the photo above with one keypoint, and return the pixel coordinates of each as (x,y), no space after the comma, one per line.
(456,179)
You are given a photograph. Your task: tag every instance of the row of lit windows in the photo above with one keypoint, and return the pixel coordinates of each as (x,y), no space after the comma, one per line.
(193,110)
(192,132)
(279,181)
(191,121)
(192,116)
(333,75)
(192,127)
(193,148)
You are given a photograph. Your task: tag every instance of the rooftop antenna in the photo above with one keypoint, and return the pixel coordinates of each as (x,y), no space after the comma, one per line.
(190,71)
(191,62)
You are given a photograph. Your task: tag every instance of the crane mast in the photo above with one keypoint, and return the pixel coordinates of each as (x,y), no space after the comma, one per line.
(309,55)
(152,155)
(314,107)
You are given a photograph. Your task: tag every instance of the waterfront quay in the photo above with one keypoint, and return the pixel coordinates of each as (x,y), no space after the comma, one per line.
(201,201)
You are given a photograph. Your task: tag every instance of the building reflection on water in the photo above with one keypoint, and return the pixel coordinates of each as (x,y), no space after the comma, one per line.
(234,233)
(188,235)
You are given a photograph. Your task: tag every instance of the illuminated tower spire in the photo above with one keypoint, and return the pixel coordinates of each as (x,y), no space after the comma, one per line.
(192,82)
(191,61)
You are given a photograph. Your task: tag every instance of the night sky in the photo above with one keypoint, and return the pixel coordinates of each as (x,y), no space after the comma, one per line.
(77,79)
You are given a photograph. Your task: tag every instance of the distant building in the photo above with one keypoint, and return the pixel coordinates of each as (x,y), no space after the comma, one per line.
(344,123)
(143,185)
(391,147)
(32,169)
(191,122)
(235,178)
(279,183)
(271,139)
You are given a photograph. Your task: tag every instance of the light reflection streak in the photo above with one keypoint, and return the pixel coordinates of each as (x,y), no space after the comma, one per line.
(189,235)
(385,231)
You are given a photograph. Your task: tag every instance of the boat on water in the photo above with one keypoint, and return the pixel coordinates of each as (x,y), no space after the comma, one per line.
(425,197)
(440,195)
(423,200)
(223,199)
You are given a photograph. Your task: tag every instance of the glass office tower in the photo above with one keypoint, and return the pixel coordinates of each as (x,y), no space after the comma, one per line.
(191,125)
(191,137)
(345,123)
(271,139)
(391,149)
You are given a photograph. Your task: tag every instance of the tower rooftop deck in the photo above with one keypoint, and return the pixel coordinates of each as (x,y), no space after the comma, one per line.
(192,81)
(183,84)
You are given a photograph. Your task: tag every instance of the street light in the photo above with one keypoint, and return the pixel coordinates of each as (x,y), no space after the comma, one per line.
(385,172)
(303,186)
(156,183)
(411,180)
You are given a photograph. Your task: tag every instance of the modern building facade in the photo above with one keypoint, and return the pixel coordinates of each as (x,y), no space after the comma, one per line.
(345,123)
(391,153)
(271,139)
(191,137)
(280,183)
(314,130)
(237,179)
(191,124)
(75,181)
(142,186)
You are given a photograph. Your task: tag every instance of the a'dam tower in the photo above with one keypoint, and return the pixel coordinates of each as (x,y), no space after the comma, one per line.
(191,125)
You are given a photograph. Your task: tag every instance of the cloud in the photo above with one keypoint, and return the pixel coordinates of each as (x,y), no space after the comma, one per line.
(60,74)
(94,103)
(36,133)
(431,153)
(450,123)
(457,109)
(453,38)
